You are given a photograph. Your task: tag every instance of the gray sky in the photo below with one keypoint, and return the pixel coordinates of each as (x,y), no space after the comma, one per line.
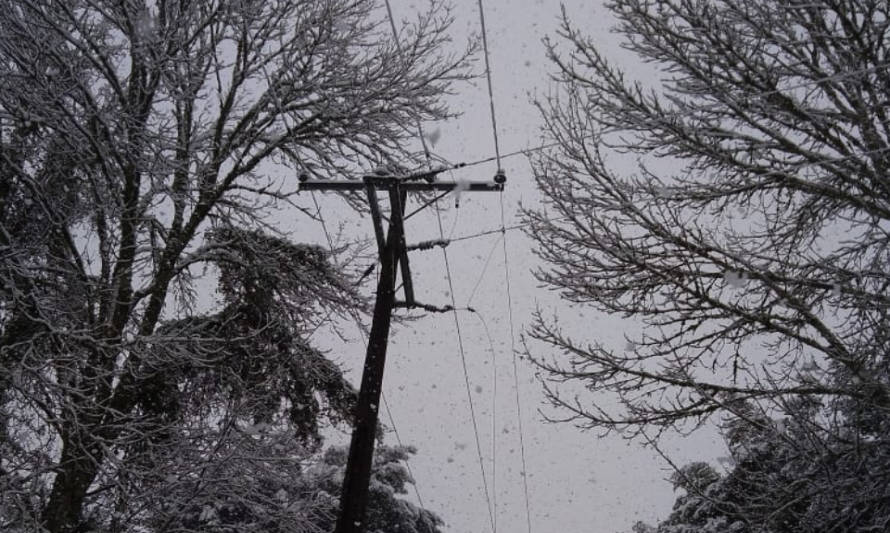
(577,482)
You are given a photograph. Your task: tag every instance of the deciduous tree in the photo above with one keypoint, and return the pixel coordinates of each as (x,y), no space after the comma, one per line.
(141,142)
(748,235)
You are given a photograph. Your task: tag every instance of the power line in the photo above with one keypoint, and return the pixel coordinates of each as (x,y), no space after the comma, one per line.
(689,113)
(451,287)
(482,272)
(494,381)
(528,520)
(494,122)
(525,151)
(685,114)
(463,359)
(499,174)
(796,166)
(485,233)
(506,274)
(503,229)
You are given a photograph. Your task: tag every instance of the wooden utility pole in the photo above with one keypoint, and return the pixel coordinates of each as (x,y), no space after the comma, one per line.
(393,253)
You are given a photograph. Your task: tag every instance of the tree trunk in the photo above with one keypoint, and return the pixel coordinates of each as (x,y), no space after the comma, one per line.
(76,472)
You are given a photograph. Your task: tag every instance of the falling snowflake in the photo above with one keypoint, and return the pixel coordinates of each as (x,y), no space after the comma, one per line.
(462,185)
(434,136)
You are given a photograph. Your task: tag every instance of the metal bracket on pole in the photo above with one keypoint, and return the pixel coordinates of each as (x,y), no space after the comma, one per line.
(397,200)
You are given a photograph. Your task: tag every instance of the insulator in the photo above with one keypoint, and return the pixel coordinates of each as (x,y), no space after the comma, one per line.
(500,176)
(304,177)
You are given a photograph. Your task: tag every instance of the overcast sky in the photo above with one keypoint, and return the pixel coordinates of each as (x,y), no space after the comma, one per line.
(578,483)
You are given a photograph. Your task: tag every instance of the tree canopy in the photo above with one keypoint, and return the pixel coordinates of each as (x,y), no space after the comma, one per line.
(145,147)
(737,207)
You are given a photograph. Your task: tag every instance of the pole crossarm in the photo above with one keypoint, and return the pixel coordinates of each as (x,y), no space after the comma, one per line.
(393,254)
(397,189)
(407,186)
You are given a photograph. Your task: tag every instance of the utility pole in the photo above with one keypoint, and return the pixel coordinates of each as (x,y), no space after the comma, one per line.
(393,253)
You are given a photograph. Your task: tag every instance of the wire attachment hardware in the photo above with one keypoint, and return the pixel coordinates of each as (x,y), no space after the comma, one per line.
(428,245)
(500,176)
